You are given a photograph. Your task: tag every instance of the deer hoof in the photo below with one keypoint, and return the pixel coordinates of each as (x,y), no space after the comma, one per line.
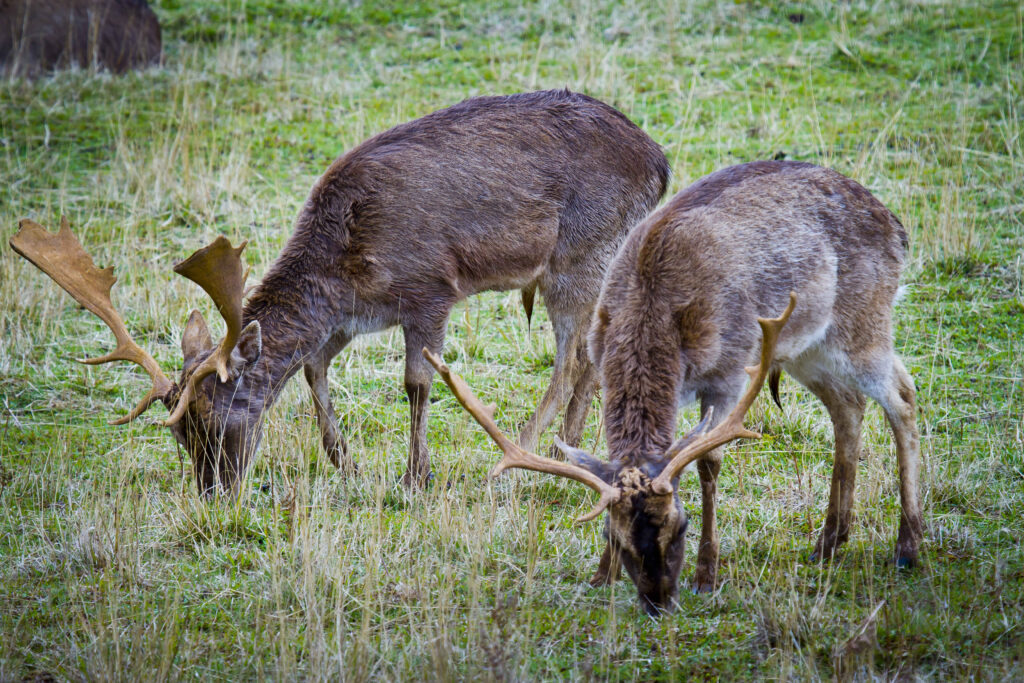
(601,578)
(420,480)
(825,552)
(907,542)
(821,557)
(905,560)
(704,580)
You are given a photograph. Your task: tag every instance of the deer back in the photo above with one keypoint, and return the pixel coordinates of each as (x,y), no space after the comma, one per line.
(678,311)
(492,193)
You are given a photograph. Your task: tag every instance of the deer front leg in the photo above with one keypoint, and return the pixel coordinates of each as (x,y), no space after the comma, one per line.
(418,374)
(608,570)
(706,573)
(315,371)
(207,473)
(721,402)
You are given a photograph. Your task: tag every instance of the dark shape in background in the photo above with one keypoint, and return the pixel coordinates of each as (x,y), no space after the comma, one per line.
(42,35)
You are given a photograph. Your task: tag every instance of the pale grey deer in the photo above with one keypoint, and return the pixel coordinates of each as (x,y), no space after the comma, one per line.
(677,319)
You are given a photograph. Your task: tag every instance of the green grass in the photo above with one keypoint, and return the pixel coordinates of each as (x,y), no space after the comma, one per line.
(113,569)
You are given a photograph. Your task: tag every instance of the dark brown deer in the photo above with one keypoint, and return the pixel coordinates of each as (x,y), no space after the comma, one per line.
(38,35)
(676,320)
(532,191)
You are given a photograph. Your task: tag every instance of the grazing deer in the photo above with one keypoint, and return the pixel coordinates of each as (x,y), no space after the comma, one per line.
(532,191)
(676,321)
(38,35)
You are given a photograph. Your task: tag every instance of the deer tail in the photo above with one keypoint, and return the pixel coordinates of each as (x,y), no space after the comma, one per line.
(773,383)
(528,292)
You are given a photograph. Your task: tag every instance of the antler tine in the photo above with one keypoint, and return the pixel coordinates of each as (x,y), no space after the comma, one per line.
(685,440)
(217,268)
(514,456)
(62,257)
(688,449)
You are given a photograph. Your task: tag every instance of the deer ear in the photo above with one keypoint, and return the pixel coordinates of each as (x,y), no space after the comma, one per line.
(605,470)
(250,344)
(196,338)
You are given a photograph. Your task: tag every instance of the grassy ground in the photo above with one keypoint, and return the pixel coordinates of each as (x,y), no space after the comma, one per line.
(113,569)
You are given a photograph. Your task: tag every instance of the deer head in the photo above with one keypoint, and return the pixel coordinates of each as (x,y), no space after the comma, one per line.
(210,407)
(646,524)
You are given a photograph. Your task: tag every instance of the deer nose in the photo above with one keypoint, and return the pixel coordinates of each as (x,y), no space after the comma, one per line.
(658,603)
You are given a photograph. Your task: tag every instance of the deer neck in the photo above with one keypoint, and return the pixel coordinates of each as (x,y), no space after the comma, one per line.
(297,315)
(641,382)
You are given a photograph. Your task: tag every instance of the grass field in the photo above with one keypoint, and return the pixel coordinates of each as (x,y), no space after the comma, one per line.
(112,568)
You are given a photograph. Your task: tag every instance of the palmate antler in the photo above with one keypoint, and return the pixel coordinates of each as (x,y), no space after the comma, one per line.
(216,268)
(696,444)
(514,456)
(62,257)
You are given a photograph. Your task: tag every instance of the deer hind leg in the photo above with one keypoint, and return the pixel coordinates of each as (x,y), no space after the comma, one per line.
(568,328)
(418,374)
(315,371)
(897,397)
(580,402)
(846,408)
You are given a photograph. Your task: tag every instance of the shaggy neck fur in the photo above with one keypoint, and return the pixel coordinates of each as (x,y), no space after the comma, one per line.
(641,380)
(297,305)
